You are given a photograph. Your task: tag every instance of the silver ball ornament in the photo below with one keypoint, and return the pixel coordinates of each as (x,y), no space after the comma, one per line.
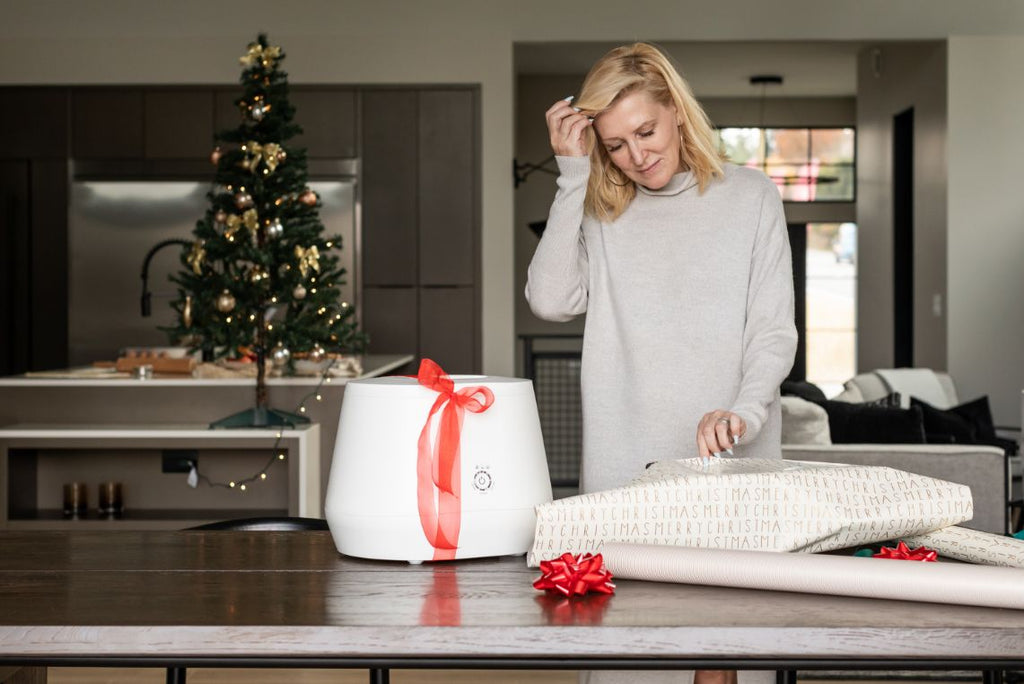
(280,355)
(317,353)
(225,301)
(299,292)
(275,229)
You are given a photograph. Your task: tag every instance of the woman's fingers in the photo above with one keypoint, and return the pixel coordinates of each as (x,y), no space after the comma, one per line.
(565,129)
(718,431)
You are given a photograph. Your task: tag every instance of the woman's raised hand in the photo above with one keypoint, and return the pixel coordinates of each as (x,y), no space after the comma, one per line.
(565,128)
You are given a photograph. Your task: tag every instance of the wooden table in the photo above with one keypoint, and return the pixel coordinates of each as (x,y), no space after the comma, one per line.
(288,599)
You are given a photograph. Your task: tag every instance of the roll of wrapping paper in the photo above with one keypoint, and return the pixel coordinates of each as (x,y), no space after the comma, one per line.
(881,578)
(973,546)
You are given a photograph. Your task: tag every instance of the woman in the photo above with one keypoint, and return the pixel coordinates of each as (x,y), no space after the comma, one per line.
(681,263)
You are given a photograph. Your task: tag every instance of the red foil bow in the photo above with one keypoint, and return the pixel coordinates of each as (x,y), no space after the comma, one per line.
(572,575)
(438,465)
(904,552)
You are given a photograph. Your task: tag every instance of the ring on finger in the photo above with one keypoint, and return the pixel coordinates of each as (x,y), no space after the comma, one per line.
(723,420)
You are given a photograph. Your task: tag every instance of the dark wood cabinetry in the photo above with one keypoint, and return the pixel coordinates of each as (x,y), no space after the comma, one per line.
(35,123)
(421,223)
(178,124)
(107,123)
(33,228)
(419,192)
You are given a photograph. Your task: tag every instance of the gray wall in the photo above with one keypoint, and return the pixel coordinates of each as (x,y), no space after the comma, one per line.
(986,221)
(891,78)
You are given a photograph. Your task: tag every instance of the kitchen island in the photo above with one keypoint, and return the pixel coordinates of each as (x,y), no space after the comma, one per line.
(62,398)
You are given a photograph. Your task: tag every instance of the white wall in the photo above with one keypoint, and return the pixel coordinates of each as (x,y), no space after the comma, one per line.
(890,79)
(986,221)
(453,41)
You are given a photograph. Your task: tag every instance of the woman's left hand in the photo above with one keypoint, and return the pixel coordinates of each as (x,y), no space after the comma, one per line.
(718,431)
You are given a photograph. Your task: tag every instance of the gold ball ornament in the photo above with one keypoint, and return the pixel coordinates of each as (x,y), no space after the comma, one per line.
(309,198)
(317,353)
(225,301)
(280,355)
(220,216)
(243,200)
(299,292)
(216,155)
(281,155)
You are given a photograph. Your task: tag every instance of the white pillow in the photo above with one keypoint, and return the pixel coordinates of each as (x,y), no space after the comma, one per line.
(804,422)
(850,394)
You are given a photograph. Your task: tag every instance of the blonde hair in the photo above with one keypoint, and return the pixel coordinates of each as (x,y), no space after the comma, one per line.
(625,70)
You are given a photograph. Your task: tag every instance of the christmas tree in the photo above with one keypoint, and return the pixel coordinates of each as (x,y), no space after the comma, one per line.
(260,280)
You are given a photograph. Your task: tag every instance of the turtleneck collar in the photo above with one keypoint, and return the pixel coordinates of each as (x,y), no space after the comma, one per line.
(679,183)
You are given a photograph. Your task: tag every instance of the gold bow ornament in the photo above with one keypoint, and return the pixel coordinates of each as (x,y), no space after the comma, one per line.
(249,220)
(308,259)
(270,154)
(196,257)
(266,56)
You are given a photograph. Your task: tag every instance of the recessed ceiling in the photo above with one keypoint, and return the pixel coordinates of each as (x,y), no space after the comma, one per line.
(721,69)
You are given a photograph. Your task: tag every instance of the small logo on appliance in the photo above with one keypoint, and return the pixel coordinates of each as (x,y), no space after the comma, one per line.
(482,480)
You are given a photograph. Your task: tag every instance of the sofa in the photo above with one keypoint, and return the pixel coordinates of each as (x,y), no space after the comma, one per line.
(879,420)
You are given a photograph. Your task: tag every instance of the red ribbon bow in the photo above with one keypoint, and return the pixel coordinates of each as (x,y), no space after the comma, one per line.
(575,575)
(438,466)
(904,552)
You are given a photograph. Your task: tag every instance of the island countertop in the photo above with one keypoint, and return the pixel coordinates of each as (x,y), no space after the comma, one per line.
(374,365)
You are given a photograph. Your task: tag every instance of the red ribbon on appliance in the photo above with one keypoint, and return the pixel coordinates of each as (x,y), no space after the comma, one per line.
(904,552)
(438,466)
(575,575)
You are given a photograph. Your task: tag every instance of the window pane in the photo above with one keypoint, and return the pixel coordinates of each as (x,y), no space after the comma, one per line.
(831,302)
(787,145)
(793,181)
(832,145)
(743,146)
(831,357)
(834,183)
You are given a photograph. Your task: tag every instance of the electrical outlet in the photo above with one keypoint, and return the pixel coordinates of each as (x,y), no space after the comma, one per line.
(179,460)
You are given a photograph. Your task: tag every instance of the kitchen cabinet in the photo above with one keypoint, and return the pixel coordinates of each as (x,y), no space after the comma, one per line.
(107,123)
(35,122)
(178,123)
(421,222)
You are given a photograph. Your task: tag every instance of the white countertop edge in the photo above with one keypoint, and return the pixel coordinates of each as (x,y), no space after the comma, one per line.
(150,431)
(374,366)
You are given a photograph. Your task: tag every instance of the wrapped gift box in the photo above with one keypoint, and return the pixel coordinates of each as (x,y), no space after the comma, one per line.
(755,505)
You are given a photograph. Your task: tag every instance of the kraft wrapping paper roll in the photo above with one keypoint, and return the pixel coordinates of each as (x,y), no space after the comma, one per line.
(881,578)
(973,546)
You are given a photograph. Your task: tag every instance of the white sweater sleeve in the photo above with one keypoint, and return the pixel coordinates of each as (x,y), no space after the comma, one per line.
(557,280)
(769,336)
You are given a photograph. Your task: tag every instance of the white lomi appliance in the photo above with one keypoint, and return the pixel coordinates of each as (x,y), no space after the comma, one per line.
(444,470)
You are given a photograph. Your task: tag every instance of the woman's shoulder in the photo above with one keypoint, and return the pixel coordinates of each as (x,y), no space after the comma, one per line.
(745,176)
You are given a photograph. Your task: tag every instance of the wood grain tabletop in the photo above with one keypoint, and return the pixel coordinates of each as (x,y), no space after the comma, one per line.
(159,596)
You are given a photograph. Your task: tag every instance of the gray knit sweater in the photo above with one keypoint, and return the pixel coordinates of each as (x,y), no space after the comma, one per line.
(689,303)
